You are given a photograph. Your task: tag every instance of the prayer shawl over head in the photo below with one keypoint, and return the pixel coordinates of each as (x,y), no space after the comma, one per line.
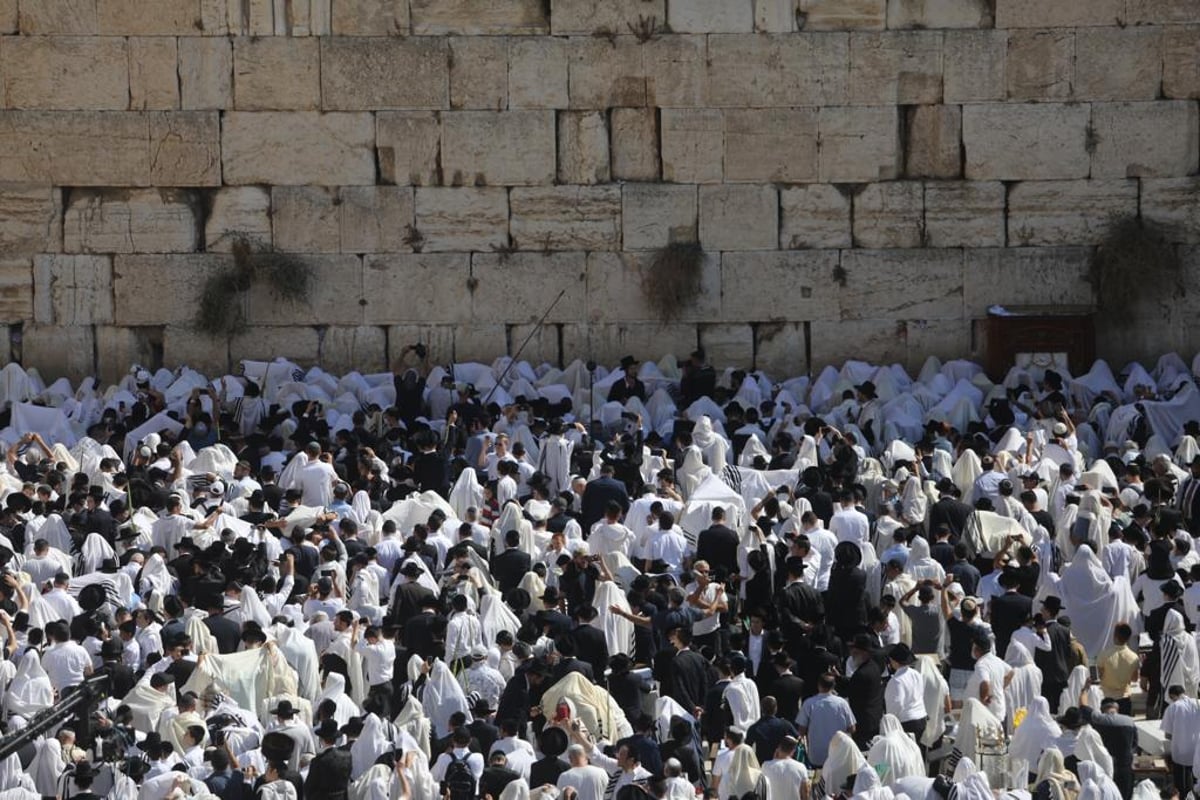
(618,631)
(844,760)
(743,775)
(248,677)
(598,711)
(976,723)
(936,692)
(1089,747)
(1094,775)
(370,745)
(1061,784)
(1095,602)
(413,720)
(335,690)
(301,654)
(30,690)
(47,766)
(1026,681)
(895,749)
(1035,733)
(443,696)
(1078,681)
(148,703)
(1179,661)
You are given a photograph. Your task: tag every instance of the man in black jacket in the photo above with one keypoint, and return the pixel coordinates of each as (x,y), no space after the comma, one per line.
(1010,610)
(788,688)
(1054,663)
(329,771)
(949,510)
(717,544)
(509,567)
(411,596)
(226,632)
(598,493)
(591,645)
(800,607)
(864,690)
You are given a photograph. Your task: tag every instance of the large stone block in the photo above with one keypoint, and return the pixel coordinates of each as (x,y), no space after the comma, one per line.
(775,16)
(1181,61)
(409,146)
(183,344)
(805,278)
(776,145)
(72,290)
(902,67)
(902,284)
(813,216)
(335,293)
(1147,140)
(583,155)
(459,219)
(206,72)
(476,77)
(635,144)
(1041,65)
(298,148)
(655,215)
(859,144)
(1016,276)
(438,339)
(609,343)
(964,214)
(498,148)
(890,215)
(417,288)
(606,72)
(299,344)
(1038,14)
(934,148)
(975,66)
(620,286)
(566,218)
(236,213)
(1047,213)
(161,18)
(537,73)
(711,16)
(59,18)
(306,219)
(130,221)
(727,344)
(153,74)
(96,149)
(59,351)
(841,15)
(1118,63)
(555,345)
(781,349)
(587,17)
(370,18)
(161,289)
(739,217)
(1026,142)
(67,72)
(30,219)
(276,73)
(345,348)
(1173,203)
(118,347)
(481,343)
(518,287)
(693,142)
(16,292)
(1161,12)
(365,74)
(676,70)
(478,17)
(8,16)
(758,71)
(876,341)
(939,14)
(376,219)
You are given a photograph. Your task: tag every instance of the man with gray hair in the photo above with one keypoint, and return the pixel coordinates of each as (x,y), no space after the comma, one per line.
(582,781)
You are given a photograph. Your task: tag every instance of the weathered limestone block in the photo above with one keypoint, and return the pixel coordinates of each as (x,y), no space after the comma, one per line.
(8,16)
(583,147)
(161,18)
(1161,12)
(370,18)
(306,219)
(30,219)
(609,343)
(1067,212)
(478,17)
(183,344)
(618,289)
(118,347)
(498,148)
(1026,142)
(161,289)
(417,288)
(1039,14)
(376,219)
(1150,140)
(693,142)
(130,221)
(903,67)
(1041,65)
(738,217)
(776,145)
(289,149)
(439,339)
(676,69)
(566,218)
(775,16)
(878,341)
(369,73)
(604,72)
(727,344)
(96,149)
(72,290)
(780,348)
(59,351)
(902,284)
(238,212)
(711,16)
(945,338)
(556,344)
(460,219)
(16,291)
(258,343)
(1118,63)
(67,72)
(518,287)
(335,295)
(934,148)
(257,18)
(654,215)
(206,72)
(153,80)
(409,144)
(841,15)
(59,18)
(749,282)
(1027,276)
(964,214)
(276,72)
(635,144)
(345,348)
(587,17)
(1181,61)
(478,77)
(760,71)
(890,215)
(939,14)
(975,66)
(813,216)
(1173,203)
(537,73)
(859,144)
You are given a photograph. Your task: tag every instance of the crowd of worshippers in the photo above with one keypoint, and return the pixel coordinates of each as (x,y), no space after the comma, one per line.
(451,596)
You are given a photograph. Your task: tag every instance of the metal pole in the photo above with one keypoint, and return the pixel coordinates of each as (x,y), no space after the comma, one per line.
(521,349)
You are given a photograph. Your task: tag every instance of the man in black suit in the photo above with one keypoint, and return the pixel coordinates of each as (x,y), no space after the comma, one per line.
(523,690)
(554,623)
(552,742)
(423,631)
(598,493)
(1188,498)
(568,663)
(590,641)
(864,690)
(1054,663)
(800,607)
(820,500)
(949,510)
(509,567)
(717,544)
(410,595)
(1010,610)
(629,385)
(226,632)
(329,771)
(482,729)
(787,688)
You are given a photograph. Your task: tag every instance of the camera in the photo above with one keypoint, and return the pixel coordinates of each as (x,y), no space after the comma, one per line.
(420,350)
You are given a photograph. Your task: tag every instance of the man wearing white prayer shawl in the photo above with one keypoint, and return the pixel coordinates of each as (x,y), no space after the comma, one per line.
(1181,726)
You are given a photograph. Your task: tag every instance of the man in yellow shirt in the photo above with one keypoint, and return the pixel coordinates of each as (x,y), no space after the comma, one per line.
(1118,667)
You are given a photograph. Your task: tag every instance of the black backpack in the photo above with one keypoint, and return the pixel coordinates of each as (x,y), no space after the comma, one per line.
(459,780)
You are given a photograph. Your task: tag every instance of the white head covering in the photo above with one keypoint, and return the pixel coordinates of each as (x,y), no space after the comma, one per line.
(743,774)
(1035,733)
(895,748)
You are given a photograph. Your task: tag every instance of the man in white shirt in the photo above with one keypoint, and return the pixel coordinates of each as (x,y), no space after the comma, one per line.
(379,658)
(823,543)
(66,663)
(668,545)
(42,567)
(784,773)
(986,683)
(709,596)
(849,524)
(1181,725)
(463,631)
(484,679)
(460,739)
(316,478)
(61,600)
(583,780)
(609,535)
(904,696)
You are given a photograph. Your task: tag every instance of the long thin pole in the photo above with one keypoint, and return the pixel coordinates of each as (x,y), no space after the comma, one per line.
(521,349)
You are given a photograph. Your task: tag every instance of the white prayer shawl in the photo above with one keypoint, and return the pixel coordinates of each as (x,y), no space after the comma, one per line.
(618,631)
(413,720)
(155,577)
(147,704)
(921,566)
(442,697)
(1179,659)
(376,782)
(895,749)
(496,616)
(845,759)
(975,787)
(247,677)
(987,533)
(1095,602)
(54,531)
(1089,747)
(30,690)
(741,697)
(1078,680)
(1093,773)
(936,692)
(13,776)
(370,745)
(202,639)
(467,493)
(1035,733)
(744,775)
(47,766)
(335,690)
(966,471)
(975,723)
(712,444)
(600,714)
(1025,683)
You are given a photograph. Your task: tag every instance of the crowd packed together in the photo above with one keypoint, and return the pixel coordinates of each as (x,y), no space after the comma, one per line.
(510,581)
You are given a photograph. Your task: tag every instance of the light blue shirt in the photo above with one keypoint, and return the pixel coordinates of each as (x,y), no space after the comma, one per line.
(823,715)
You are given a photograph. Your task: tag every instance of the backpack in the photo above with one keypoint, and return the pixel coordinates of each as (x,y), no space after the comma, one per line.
(459,780)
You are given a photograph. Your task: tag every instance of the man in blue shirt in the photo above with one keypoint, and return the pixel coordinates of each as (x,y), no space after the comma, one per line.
(821,716)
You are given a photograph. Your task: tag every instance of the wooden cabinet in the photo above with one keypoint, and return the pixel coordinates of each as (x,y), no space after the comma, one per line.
(1042,331)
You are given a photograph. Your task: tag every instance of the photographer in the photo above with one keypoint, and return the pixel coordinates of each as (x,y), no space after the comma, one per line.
(408,377)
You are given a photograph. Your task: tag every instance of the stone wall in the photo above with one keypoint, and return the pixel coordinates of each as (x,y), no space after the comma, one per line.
(866,177)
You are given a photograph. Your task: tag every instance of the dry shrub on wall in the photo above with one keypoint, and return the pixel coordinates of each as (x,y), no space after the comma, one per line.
(672,281)
(221,311)
(1135,265)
